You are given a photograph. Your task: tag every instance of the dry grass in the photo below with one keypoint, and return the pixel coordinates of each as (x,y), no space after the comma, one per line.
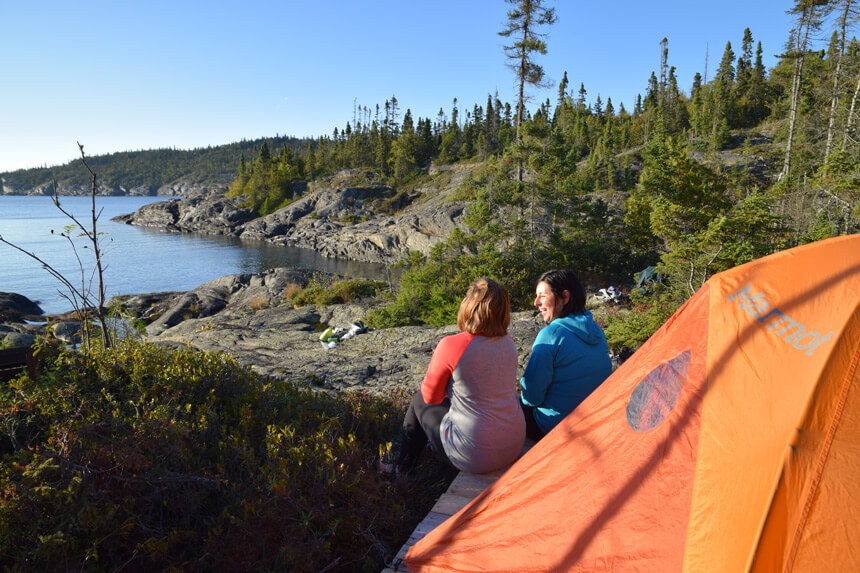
(258,303)
(291,290)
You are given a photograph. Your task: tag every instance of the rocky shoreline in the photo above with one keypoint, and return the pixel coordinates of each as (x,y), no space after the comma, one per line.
(248,317)
(348,215)
(178,188)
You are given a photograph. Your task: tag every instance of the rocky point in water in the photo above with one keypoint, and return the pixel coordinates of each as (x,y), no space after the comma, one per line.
(347,215)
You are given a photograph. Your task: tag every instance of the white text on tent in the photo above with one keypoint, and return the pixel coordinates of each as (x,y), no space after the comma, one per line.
(757,306)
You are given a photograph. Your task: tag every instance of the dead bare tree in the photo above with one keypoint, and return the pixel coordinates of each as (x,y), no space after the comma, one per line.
(85,304)
(852,112)
(808,20)
(844,22)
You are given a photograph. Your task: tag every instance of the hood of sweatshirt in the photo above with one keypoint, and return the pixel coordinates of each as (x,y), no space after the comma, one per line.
(583,326)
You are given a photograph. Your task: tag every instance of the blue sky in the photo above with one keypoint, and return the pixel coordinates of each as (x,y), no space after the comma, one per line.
(119,75)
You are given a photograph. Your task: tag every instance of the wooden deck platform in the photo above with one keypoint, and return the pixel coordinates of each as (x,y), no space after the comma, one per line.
(462,490)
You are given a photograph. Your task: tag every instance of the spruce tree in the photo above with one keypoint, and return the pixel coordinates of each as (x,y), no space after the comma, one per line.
(265,156)
(562,89)
(758,89)
(525,19)
(408,126)
(744,82)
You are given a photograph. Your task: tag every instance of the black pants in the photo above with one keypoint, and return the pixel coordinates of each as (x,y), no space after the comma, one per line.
(533,431)
(420,427)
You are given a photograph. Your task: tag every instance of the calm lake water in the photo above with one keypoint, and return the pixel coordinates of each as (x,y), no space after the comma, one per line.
(139,260)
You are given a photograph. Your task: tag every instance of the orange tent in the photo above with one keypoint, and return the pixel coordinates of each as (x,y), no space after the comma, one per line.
(730,441)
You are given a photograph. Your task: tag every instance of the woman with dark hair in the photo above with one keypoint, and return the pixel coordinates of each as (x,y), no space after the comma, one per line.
(467,408)
(570,357)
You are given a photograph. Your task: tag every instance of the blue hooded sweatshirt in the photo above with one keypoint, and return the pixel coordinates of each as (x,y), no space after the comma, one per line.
(569,359)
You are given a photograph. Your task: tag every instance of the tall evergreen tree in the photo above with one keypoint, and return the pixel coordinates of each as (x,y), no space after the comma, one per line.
(491,128)
(562,89)
(722,107)
(758,89)
(525,19)
(408,126)
(265,156)
(675,113)
(652,93)
(744,81)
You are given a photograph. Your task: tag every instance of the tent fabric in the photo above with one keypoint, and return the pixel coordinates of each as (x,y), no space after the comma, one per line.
(646,276)
(727,442)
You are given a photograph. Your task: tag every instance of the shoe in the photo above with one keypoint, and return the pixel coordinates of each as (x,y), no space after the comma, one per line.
(387,468)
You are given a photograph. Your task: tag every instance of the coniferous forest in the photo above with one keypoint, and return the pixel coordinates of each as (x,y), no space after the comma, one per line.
(694,179)
(141,458)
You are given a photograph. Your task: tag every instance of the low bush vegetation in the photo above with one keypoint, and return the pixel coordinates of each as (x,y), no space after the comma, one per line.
(141,458)
(341,291)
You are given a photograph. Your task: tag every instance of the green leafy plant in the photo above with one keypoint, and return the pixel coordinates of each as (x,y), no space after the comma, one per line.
(156,459)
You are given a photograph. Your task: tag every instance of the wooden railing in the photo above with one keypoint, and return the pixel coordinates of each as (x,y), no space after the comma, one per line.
(15,360)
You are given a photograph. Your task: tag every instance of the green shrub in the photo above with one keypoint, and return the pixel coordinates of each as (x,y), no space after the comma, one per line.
(149,459)
(337,292)
(432,288)
(391,204)
(647,314)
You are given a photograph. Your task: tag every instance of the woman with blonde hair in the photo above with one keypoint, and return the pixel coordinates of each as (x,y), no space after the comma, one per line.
(467,408)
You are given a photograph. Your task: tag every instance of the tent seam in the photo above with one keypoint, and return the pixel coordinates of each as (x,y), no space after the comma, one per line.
(823,454)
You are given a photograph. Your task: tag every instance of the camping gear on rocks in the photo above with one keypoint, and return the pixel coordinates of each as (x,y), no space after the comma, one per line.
(610,294)
(333,335)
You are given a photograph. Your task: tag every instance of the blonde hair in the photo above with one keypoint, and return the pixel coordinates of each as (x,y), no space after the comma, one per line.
(486,310)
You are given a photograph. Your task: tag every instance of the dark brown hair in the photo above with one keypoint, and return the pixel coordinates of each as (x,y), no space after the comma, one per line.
(560,280)
(486,310)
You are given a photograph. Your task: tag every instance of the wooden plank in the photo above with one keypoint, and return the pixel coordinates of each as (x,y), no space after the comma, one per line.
(429,523)
(396,567)
(470,485)
(449,504)
(401,555)
(462,490)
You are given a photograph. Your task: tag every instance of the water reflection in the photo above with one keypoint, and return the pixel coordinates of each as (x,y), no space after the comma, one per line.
(199,252)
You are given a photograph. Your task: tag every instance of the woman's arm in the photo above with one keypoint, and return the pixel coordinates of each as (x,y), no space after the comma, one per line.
(442,365)
(539,370)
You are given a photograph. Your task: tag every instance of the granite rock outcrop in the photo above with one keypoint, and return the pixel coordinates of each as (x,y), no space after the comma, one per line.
(347,215)
(14,306)
(283,343)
